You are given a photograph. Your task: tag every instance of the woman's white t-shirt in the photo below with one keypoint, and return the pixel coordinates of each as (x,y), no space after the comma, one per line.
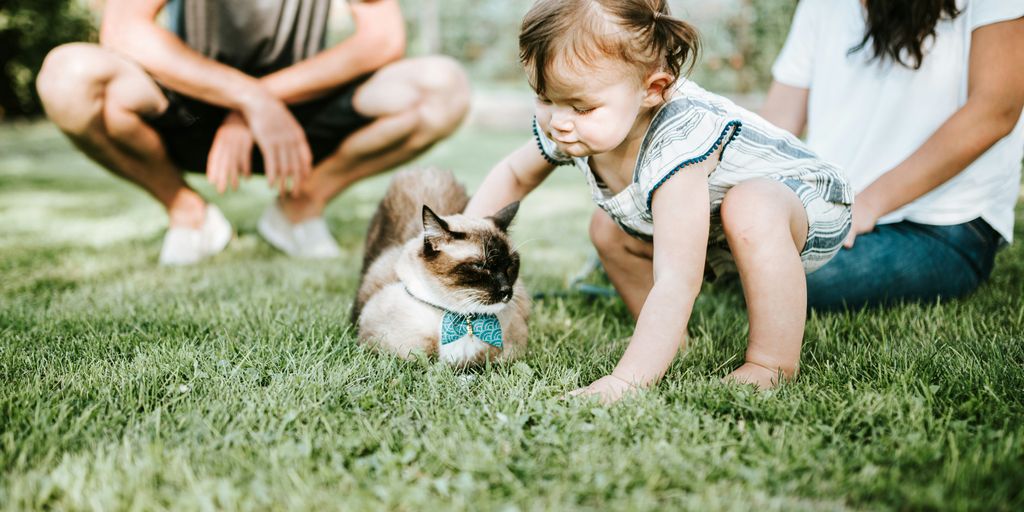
(867,115)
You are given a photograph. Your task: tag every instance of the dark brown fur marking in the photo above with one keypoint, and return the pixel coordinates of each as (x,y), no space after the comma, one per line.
(398,218)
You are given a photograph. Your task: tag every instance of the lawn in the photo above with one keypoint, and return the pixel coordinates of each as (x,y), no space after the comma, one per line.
(236,384)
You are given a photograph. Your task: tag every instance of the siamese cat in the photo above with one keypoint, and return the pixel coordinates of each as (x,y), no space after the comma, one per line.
(439,282)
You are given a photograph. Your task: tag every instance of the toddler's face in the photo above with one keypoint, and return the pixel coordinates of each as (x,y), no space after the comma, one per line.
(591,112)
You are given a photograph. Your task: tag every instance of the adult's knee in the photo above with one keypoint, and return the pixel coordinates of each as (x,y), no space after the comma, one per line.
(444,77)
(445,95)
(70,85)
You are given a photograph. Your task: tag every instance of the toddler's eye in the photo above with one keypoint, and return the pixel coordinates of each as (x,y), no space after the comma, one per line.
(583,111)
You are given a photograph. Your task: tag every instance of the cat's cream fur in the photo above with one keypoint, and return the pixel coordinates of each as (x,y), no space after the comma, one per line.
(399,281)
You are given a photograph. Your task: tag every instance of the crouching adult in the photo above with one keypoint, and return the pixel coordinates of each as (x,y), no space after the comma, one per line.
(235,87)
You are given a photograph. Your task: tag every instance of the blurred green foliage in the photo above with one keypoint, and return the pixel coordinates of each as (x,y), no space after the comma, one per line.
(28,30)
(741,37)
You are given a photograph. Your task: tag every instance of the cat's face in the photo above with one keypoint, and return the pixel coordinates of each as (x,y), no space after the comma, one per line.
(473,260)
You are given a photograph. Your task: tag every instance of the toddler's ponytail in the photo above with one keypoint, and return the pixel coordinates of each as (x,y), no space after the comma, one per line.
(677,40)
(646,36)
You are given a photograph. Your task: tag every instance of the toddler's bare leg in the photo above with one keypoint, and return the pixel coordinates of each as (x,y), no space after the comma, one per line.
(628,261)
(766,227)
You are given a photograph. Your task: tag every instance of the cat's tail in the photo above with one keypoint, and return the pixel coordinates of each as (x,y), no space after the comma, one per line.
(399,216)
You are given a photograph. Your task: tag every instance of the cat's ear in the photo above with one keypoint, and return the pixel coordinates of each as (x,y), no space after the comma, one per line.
(503,219)
(435,229)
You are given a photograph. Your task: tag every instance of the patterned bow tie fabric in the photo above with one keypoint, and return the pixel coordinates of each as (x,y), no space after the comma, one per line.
(486,328)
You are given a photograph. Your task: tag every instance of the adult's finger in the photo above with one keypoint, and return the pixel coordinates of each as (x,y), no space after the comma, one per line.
(236,163)
(269,165)
(850,237)
(284,168)
(246,161)
(215,167)
(211,164)
(301,170)
(306,157)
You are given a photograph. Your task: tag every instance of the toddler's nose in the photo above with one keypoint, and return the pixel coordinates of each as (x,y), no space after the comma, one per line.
(561,123)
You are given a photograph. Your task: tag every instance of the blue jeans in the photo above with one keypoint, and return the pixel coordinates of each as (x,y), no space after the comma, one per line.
(905,262)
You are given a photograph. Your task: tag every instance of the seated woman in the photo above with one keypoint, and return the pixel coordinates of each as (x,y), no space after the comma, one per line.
(922,111)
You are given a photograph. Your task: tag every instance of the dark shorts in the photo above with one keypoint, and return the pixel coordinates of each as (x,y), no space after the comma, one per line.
(188,126)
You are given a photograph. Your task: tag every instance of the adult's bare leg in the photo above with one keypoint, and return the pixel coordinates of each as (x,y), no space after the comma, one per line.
(98,98)
(414,103)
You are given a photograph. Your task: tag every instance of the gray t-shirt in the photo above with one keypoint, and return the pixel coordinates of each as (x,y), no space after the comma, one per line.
(255,36)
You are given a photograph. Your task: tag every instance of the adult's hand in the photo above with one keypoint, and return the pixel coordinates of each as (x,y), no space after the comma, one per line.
(231,153)
(286,154)
(865,217)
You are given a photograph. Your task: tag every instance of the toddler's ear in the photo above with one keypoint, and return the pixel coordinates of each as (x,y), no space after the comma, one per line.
(656,86)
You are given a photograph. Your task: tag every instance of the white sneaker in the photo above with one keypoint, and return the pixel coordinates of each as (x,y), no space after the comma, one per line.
(307,239)
(185,246)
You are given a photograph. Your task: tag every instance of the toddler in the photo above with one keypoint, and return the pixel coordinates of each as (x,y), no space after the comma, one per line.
(689,177)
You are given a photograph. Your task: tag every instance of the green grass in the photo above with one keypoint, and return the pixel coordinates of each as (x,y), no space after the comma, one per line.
(236,384)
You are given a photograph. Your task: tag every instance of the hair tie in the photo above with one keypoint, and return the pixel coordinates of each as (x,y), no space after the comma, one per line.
(657,15)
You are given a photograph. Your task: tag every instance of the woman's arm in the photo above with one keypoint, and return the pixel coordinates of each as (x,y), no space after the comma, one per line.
(509,181)
(785,106)
(995,98)
(681,214)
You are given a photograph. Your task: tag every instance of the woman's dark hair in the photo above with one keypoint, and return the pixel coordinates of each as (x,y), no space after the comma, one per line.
(642,33)
(897,29)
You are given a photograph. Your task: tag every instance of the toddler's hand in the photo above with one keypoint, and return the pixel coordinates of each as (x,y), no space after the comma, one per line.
(608,389)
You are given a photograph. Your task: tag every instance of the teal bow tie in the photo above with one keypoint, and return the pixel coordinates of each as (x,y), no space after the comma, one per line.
(486,328)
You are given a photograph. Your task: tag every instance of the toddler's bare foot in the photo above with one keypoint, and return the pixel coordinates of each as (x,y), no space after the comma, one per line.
(760,376)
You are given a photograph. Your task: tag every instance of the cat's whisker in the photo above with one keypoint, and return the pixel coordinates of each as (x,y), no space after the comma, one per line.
(524,242)
(466,303)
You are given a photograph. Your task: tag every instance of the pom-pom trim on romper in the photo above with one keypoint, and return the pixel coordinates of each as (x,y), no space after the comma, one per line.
(540,146)
(735,123)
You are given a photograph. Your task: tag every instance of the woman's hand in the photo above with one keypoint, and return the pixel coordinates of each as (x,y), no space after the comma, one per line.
(865,217)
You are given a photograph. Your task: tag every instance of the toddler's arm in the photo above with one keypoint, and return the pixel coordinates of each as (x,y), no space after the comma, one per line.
(515,176)
(681,212)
